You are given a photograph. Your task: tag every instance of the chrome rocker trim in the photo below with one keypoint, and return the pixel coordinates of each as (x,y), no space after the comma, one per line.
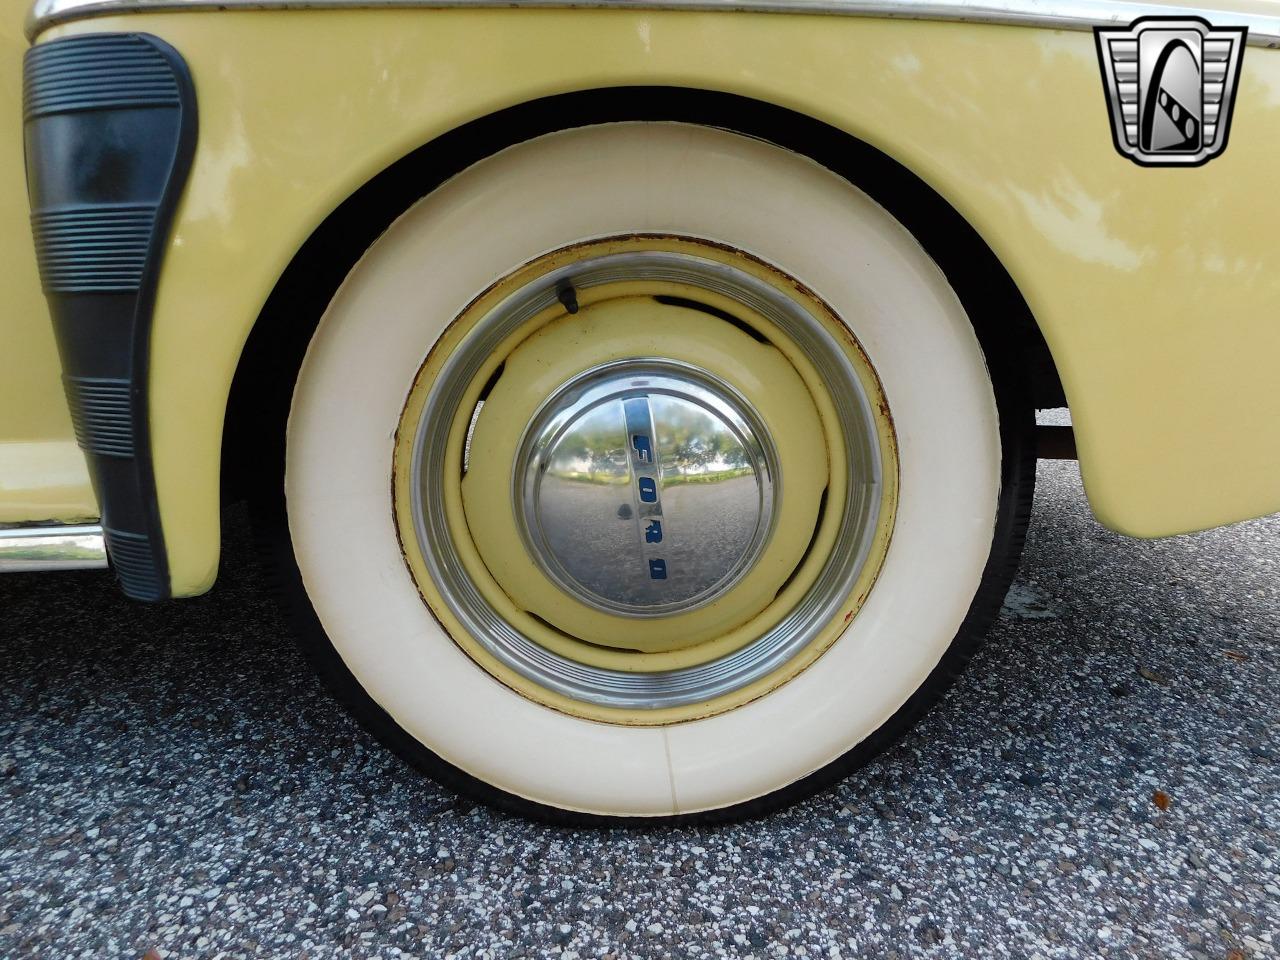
(1264,30)
(57,546)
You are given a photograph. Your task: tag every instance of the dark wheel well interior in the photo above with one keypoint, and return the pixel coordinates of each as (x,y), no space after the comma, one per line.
(253,441)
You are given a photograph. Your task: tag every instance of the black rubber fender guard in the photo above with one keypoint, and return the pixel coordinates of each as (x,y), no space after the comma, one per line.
(110,129)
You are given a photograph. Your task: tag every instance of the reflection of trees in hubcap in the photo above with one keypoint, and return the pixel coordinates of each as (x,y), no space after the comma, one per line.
(694,447)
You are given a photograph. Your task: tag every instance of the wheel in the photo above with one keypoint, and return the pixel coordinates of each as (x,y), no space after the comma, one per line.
(646,470)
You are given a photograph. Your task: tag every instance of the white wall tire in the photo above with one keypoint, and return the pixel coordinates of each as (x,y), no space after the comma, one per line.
(954,538)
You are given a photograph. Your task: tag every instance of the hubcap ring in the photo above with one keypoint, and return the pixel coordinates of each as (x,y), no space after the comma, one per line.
(706,681)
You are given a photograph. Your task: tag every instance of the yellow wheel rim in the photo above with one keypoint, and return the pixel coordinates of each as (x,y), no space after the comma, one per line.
(746,329)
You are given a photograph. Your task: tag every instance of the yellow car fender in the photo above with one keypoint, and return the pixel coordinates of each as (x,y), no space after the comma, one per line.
(1155,289)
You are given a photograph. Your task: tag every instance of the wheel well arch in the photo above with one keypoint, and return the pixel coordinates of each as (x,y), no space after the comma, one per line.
(257,408)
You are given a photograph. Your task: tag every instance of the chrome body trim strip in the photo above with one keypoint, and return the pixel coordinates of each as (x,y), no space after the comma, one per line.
(57,546)
(1051,14)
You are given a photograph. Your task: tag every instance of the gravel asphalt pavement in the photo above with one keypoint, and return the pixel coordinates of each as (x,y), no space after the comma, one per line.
(1105,782)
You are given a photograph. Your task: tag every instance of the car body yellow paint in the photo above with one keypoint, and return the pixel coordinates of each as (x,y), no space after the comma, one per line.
(42,471)
(44,479)
(776,378)
(1156,289)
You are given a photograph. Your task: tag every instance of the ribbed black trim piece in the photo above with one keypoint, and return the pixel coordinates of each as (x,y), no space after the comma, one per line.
(98,72)
(100,413)
(110,131)
(131,559)
(84,248)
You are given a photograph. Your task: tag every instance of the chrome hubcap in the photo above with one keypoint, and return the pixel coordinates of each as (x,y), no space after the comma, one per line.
(646,487)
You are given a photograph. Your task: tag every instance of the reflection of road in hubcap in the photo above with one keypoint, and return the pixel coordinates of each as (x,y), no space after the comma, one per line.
(646,487)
